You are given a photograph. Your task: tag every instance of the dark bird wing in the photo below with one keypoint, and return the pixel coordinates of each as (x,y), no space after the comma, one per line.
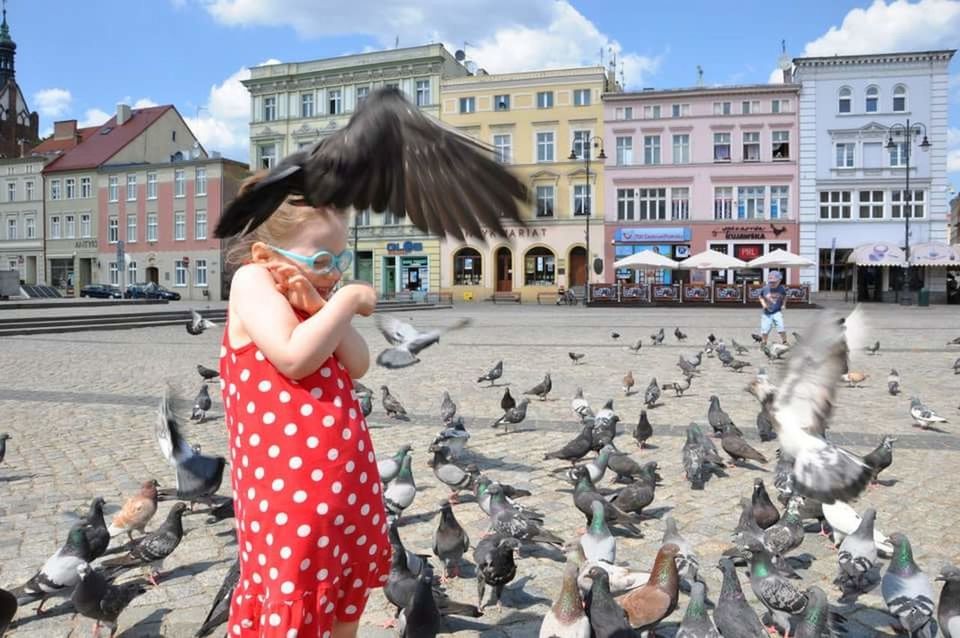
(781,595)
(197,474)
(391,156)
(220,610)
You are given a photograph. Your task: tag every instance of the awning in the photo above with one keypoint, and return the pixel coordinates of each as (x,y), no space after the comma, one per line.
(780,258)
(934,253)
(646,258)
(711,260)
(877,253)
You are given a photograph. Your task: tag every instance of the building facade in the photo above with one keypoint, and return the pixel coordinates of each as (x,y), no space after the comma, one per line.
(697,169)
(293,106)
(21,212)
(533,121)
(852,187)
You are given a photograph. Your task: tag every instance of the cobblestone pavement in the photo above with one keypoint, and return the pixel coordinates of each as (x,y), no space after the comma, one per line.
(81,409)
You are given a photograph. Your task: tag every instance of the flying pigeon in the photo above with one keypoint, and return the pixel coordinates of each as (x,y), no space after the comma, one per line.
(208,374)
(657,339)
(136,511)
(576,357)
(390,156)
(220,609)
(495,373)
(59,572)
(197,324)
(151,550)
(407,341)
(392,405)
(513,416)
(95,598)
(198,476)
(922,415)
(201,405)
(635,348)
(542,389)
(907,590)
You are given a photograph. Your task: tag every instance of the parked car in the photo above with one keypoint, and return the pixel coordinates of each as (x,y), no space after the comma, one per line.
(150,291)
(101,291)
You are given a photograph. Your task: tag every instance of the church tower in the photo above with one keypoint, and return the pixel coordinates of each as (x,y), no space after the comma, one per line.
(19,127)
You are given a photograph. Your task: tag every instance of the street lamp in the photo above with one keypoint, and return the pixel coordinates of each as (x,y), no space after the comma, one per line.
(596,142)
(907,132)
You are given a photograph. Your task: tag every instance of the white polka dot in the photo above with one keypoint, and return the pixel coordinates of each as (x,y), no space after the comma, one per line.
(269,418)
(373,549)
(251,493)
(336,551)
(340,383)
(312,442)
(352,499)
(316,475)
(346,434)
(255,527)
(295,463)
(336,487)
(316,393)
(305,564)
(325,372)
(223,384)
(328,421)
(370,456)
(232,389)
(249,546)
(258,473)
(285,552)
(274,620)
(350,610)
(338,521)
(251,407)
(236,628)
(270,540)
(306,409)
(299,496)
(364,510)
(254,440)
(290,429)
(287,588)
(244,461)
(352,413)
(376,488)
(350,466)
(244,375)
(337,401)
(277,484)
(236,441)
(274,451)
(264,386)
(322,509)
(223,351)
(281,518)
(284,396)
(333,453)
(363,477)
(361,540)
(376,519)
(274,573)
(303,531)
(262,559)
(349,530)
(322,542)
(360,445)
(322,574)
(264,505)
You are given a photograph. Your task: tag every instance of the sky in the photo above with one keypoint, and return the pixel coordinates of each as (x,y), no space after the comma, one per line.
(193,53)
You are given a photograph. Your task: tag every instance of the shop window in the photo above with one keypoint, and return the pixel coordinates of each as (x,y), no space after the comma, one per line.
(467,267)
(833,270)
(539,267)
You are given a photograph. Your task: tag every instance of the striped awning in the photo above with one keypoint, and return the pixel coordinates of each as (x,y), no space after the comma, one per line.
(934,253)
(877,253)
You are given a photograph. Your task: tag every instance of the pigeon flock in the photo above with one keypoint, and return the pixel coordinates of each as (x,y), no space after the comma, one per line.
(608,472)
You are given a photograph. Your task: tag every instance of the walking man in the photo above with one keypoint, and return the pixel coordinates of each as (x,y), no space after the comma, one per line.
(773,298)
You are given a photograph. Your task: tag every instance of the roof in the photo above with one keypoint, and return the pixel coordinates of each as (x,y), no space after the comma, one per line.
(876,58)
(108,140)
(51,145)
(732,89)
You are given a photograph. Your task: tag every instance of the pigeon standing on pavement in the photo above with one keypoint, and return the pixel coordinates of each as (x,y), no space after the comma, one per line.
(208,374)
(688,563)
(956,366)
(575,449)
(4,437)
(734,616)
(881,458)
(857,558)
(448,409)
(198,476)
(493,374)
(637,346)
(59,572)
(781,598)
(646,606)
(696,621)
(8,609)
(765,426)
(494,556)
(739,450)
(196,325)
(451,474)
(454,437)
(739,349)
(450,542)
(391,404)
(542,389)
(854,378)
(400,492)
(907,591)
(874,349)
(389,468)
(817,620)
(657,338)
(576,357)
(95,529)
(628,383)
(765,513)
(220,609)
(607,618)
(737,365)
(580,406)
(922,415)
(507,401)
(566,618)
(893,382)
(679,335)
(406,341)
(201,405)
(679,387)
(614,335)
(513,416)
(652,394)
(136,511)
(151,550)
(597,542)
(95,598)
(644,430)
(948,609)
(699,461)
(719,420)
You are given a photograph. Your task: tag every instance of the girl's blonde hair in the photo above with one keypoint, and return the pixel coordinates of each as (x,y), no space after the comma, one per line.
(279,227)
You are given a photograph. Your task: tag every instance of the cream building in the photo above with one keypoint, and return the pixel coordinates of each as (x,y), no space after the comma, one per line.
(533,121)
(21,216)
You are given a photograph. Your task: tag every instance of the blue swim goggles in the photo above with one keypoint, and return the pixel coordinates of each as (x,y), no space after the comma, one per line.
(323,262)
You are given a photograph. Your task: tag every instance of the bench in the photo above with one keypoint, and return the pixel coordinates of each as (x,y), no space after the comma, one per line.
(505,297)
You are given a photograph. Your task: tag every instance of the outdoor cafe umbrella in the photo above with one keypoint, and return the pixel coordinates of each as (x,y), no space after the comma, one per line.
(711,260)
(780,258)
(646,258)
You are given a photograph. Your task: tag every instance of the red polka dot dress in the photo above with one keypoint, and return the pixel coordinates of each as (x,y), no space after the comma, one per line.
(311,528)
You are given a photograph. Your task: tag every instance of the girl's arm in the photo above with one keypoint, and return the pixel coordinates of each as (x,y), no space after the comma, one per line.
(296,348)
(353,353)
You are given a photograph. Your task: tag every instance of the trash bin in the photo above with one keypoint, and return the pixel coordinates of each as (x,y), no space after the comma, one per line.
(924,297)
(468,295)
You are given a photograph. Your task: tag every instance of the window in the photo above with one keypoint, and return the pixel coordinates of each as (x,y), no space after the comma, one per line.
(269,108)
(779,202)
(468,105)
(151,227)
(545,201)
(200,224)
(651,112)
(750,202)
(680,110)
(390,218)
(179,226)
(131,272)
(70,186)
(723,202)
(624,113)
(306,105)
(173,136)
(539,267)
(180,273)
(751,146)
(898,154)
(871,204)
(581,144)
(780,106)
(11,228)
(113,188)
(845,155)
(29,228)
(545,100)
(362,93)
(722,108)
(898,203)
(545,146)
(85,229)
(334,102)
(681,149)
(872,99)
(423,93)
(624,150)
(750,106)
(114,274)
(179,183)
(11,191)
(267,155)
(131,228)
(113,230)
(679,203)
(200,278)
(834,204)
(581,200)
(503,146)
(626,204)
(899,98)
(467,267)
(86,189)
(55,227)
(151,185)
(721,147)
(29,189)
(362,218)
(501,102)
(651,149)
(653,203)
(131,187)
(54,189)
(781,145)
(69,227)
(844,100)
(581,97)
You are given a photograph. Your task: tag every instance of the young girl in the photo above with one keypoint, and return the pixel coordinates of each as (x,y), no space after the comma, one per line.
(311,529)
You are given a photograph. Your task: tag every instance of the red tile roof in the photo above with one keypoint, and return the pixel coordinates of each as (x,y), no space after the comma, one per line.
(108,140)
(52,146)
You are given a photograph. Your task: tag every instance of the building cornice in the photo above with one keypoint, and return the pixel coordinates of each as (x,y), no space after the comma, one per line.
(713,91)
(943,55)
(298,81)
(527,78)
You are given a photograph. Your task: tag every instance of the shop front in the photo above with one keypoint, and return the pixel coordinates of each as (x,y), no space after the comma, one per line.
(396,267)
(745,242)
(26,260)
(673,242)
(72,264)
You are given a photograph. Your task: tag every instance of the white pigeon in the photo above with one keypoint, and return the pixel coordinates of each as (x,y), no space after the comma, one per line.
(580,406)
(407,341)
(844,521)
(922,415)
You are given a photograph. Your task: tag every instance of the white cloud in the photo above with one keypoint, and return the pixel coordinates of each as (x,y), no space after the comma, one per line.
(94,117)
(53,102)
(144,103)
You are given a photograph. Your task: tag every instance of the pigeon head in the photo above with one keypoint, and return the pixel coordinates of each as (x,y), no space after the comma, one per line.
(84,569)
(385,390)
(4,436)
(726,565)
(177,510)
(149,488)
(598,575)
(949,574)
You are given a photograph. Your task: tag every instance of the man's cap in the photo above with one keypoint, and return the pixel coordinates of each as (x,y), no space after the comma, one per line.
(775,275)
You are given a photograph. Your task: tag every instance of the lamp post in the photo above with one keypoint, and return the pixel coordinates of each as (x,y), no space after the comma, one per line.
(908,132)
(596,142)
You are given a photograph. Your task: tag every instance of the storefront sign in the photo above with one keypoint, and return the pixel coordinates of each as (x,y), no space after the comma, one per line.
(394,248)
(86,243)
(749,232)
(513,233)
(747,252)
(634,235)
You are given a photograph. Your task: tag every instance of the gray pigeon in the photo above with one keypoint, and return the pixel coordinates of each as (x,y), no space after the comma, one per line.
(700,461)
(151,550)
(496,567)
(450,474)
(956,366)
(857,558)
(575,449)
(948,610)
(882,457)
(737,347)
(420,617)
(686,367)
(542,389)
(196,325)
(772,589)
(874,349)
(495,373)
(893,382)
(566,618)
(657,338)
(679,387)
(604,426)
(696,621)
(392,405)
(644,429)
(597,542)
(366,404)
(817,621)
(688,563)
(507,401)
(95,598)
(389,468)
(208,374)
(652,394)
(448,409)
(4,437)
(765,426)
(597,467)
(907,591)
(198,476)
(922,415)
(59,572)
(454,437)
(679,334)
(8,609)
(636,347)
(513,416)
(450,542)
(725,356)
(400,492)
(718,418)
(407,341)
(414,563)
(506,519)
(607,618)
(734,616)
(737,365)
(201,405)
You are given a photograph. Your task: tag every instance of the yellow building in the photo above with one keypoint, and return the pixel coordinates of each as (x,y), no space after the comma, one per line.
(533,121)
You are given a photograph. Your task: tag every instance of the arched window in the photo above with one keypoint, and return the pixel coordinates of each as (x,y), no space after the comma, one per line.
(844,100)
(466,267)
(539,267)
(899,98)
(872,103)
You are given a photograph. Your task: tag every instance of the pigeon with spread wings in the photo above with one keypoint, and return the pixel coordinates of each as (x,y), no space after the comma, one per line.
(804,404)
(391,156)
(407,341)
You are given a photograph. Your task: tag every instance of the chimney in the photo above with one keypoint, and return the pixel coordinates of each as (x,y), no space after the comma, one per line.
(123,113)
(64,130)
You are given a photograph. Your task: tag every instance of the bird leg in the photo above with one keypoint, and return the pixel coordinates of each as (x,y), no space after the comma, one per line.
(43,601)
(454,498)
(152,577)
(96,629)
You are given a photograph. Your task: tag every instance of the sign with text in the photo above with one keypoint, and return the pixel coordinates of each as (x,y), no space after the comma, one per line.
(513,233)
(668,233)
(742,231)
(396,248)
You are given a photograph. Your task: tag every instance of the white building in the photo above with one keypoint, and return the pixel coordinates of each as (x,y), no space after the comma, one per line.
(21,212)
(852,187)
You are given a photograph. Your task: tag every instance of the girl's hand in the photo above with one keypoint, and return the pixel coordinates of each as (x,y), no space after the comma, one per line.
(363,296)
(295,286)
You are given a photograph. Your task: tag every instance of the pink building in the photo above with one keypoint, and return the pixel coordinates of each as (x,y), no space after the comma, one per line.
(698,168)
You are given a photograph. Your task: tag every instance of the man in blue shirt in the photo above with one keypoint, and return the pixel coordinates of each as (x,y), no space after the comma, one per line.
(773,298)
